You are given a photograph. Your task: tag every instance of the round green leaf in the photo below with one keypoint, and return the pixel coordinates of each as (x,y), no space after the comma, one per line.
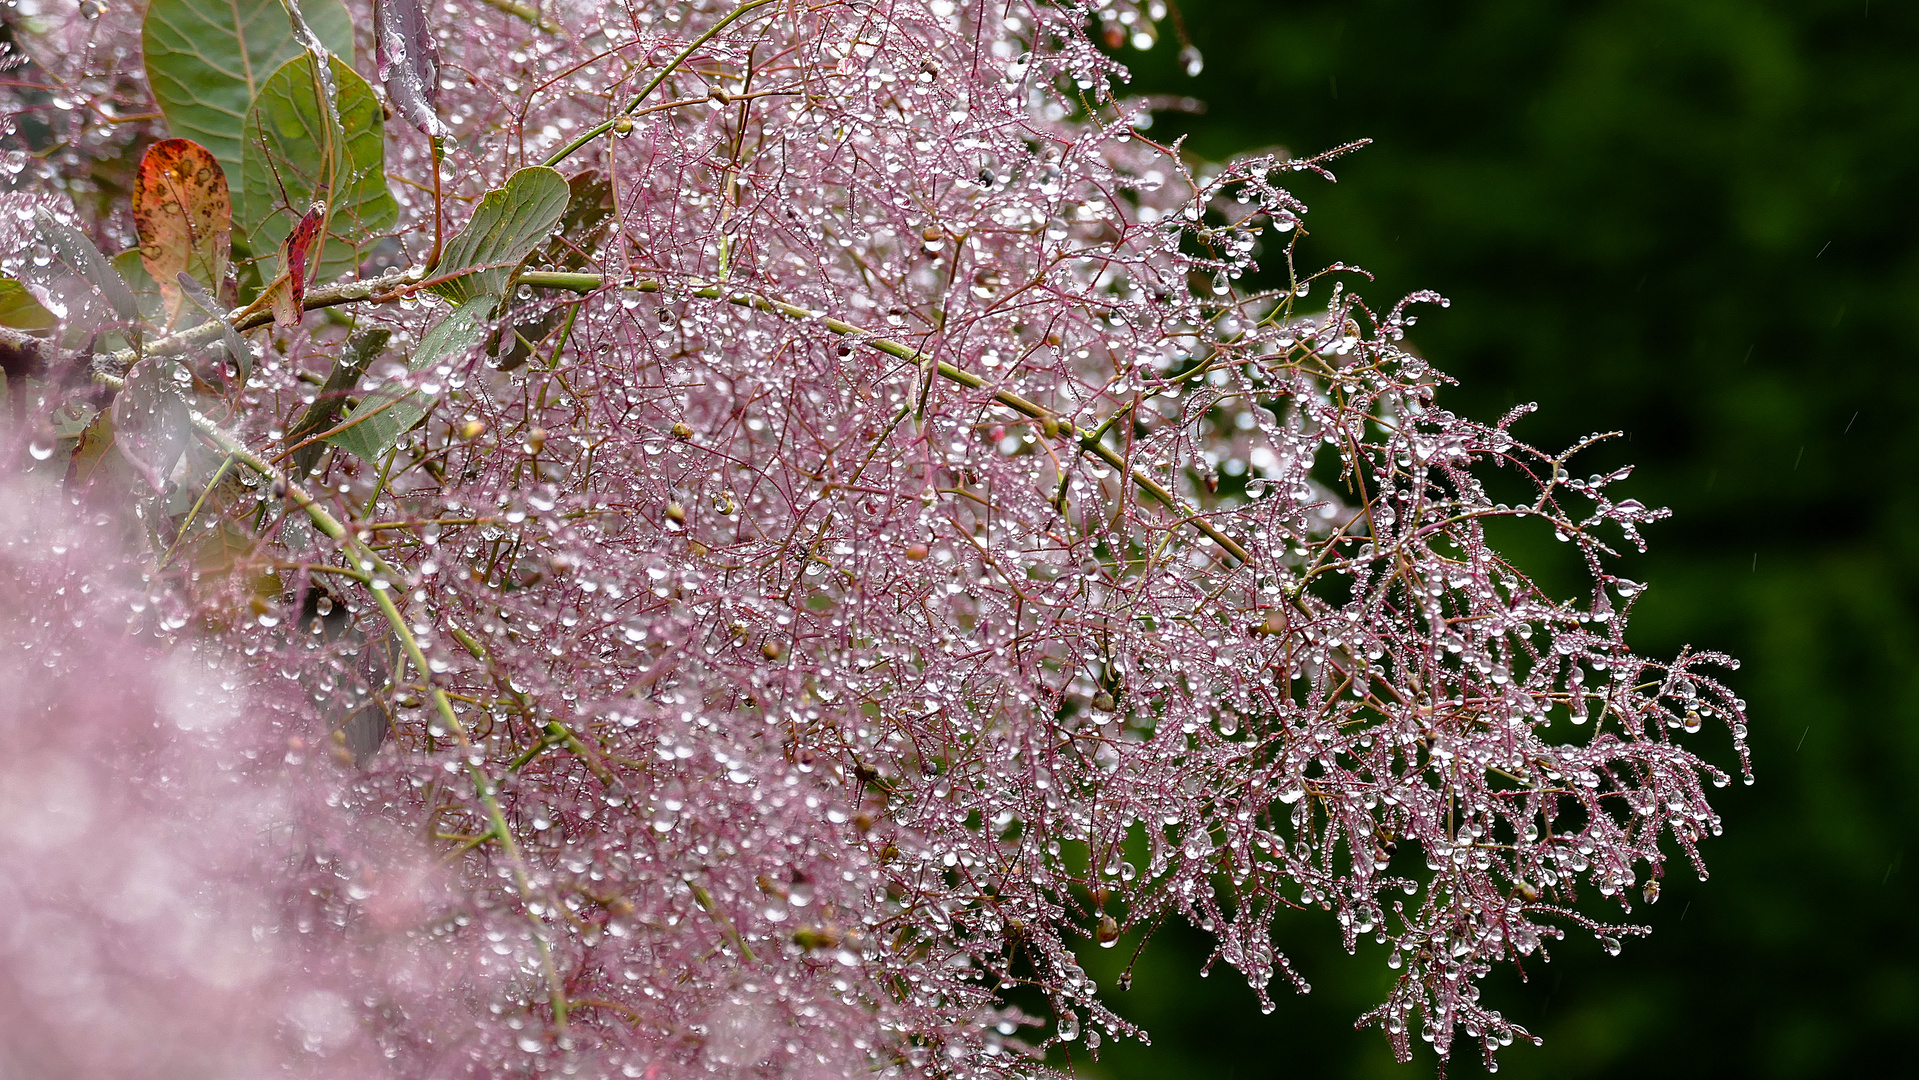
(285,164)
(207,60)
(508,224)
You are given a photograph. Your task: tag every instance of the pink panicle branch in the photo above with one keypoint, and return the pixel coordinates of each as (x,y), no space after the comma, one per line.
(880,548)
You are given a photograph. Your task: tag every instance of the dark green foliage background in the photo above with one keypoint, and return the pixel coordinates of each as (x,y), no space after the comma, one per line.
(1693,221)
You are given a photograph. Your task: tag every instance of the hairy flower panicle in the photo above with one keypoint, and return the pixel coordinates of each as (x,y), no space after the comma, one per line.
(880,548)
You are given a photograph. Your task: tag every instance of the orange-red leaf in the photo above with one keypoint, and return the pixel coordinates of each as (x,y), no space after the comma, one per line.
(185,217)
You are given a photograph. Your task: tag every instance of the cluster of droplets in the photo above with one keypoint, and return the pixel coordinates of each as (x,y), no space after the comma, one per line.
(75,104)
(922,559)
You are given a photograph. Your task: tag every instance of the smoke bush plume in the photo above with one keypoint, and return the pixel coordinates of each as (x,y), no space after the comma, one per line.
(890,551)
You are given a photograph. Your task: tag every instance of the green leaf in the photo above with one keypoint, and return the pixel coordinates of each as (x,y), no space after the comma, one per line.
(92,460)
(22,357)
(21,310)
(589,208)
(330,402)
(146,291)
(287,135)
(77,253)
(151,420)
(378,421)
(208,307)
(510,222)
(208,59)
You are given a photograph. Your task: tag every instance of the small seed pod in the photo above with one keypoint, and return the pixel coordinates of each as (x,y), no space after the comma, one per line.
(816,937)
(622,126)
(676,513)
(916,552)
(1106,932)
(681,431)
(536,440)
(338,748)
(472,429)
(931,234)
(770,650)
(1104,702)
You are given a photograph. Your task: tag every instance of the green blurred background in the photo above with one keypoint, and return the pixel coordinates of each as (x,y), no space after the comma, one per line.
(1691,220)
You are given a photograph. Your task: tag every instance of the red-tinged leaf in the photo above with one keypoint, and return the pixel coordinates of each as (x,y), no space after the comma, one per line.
(299,246)
(286,294)
(184,215)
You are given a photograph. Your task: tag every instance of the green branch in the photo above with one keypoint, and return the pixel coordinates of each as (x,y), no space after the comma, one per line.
(527,12)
